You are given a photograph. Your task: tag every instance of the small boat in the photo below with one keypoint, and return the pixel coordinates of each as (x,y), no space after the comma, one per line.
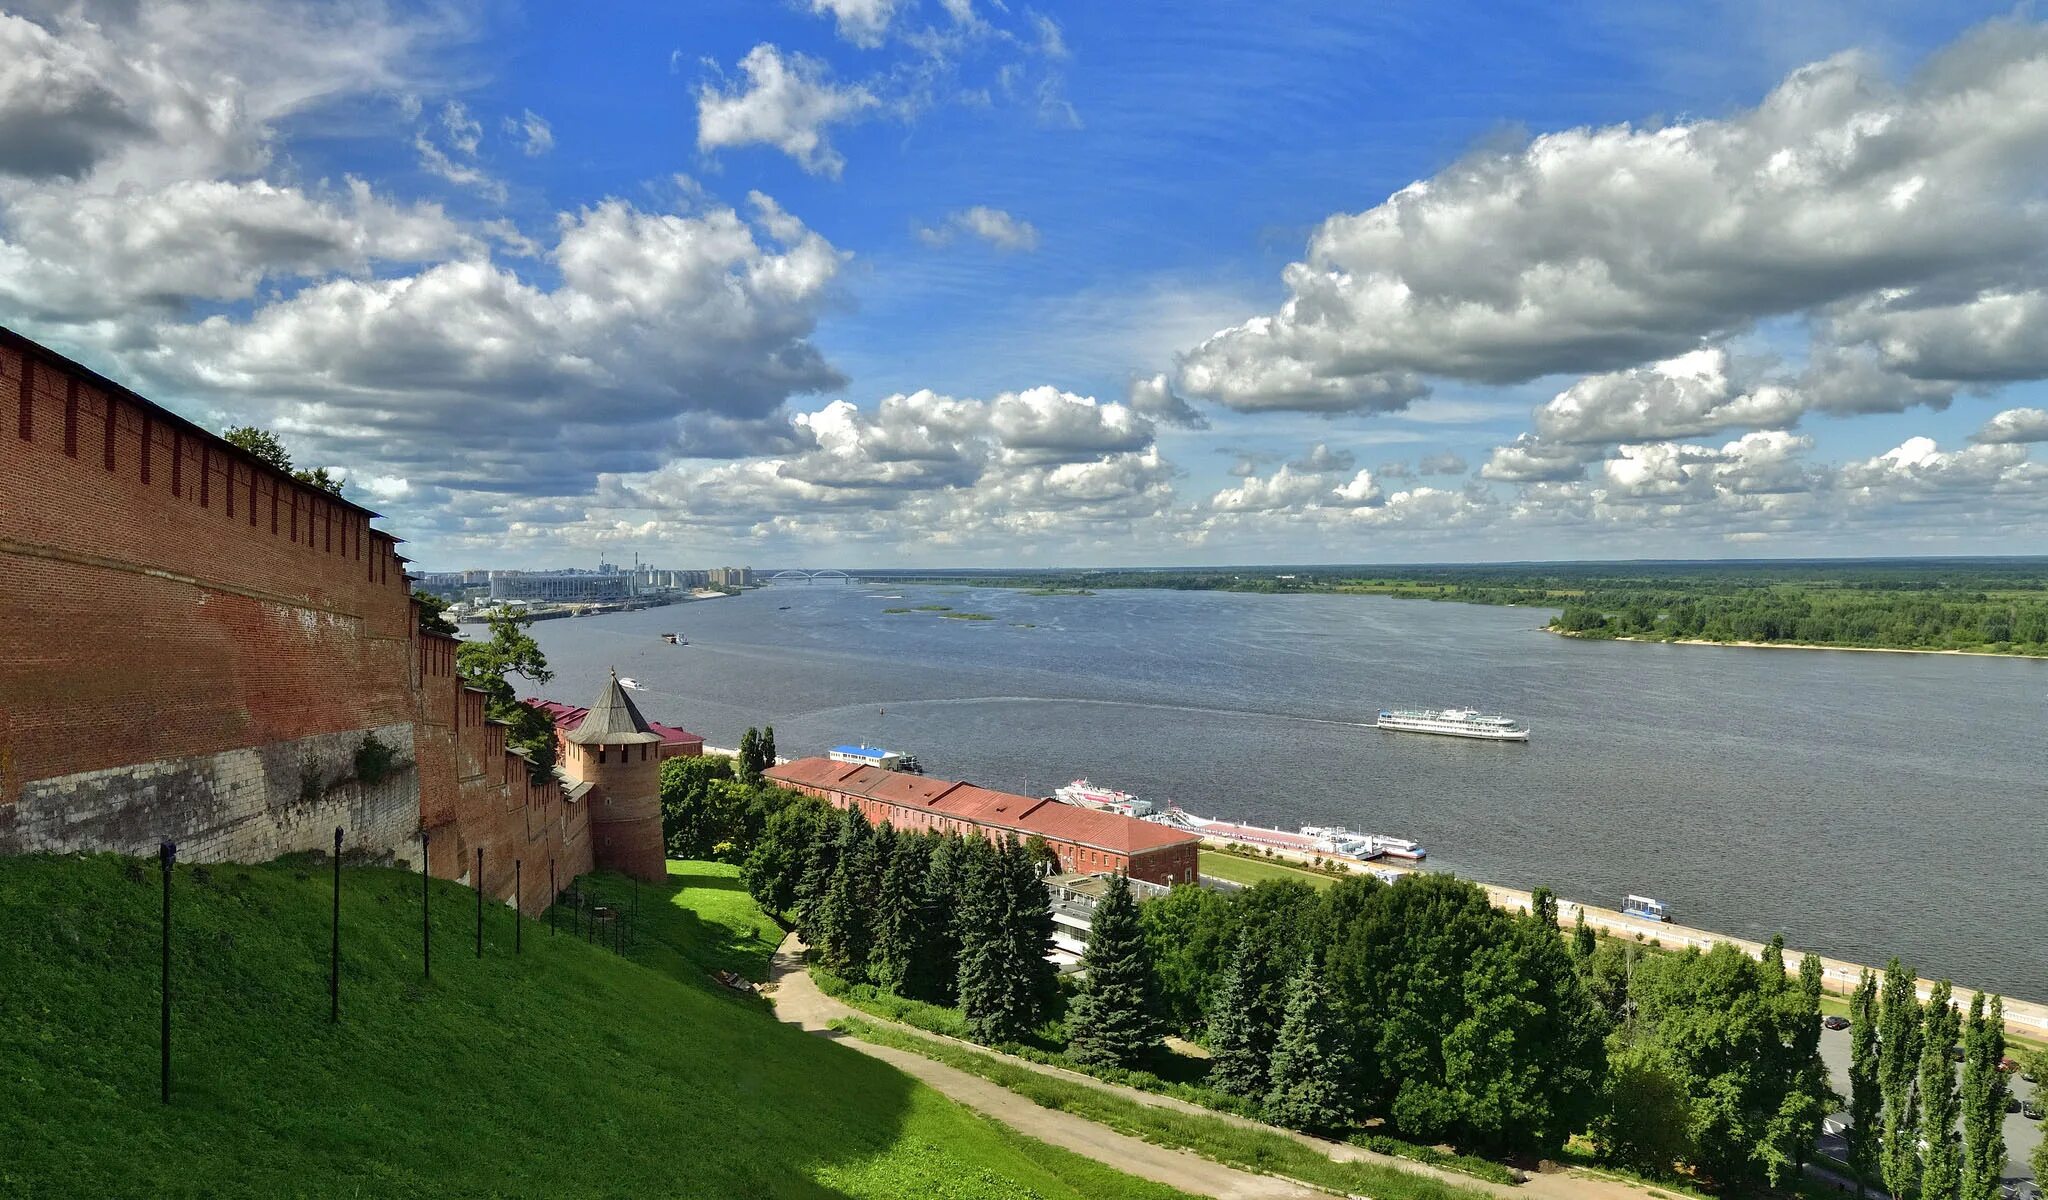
(1645,909)
(782,608)
(1393,847)
(630,684)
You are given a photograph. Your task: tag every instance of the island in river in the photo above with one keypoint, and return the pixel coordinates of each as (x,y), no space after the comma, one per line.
(1953,605)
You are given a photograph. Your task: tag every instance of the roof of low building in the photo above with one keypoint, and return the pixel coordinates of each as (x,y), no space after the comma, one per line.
(1025,815)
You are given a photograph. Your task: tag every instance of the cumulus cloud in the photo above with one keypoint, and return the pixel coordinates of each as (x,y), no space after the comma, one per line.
(1530,459)
(865,23)
(1596,250)
(991,225)
(1321,458)
(1152,396)
(1442,464)
(785,101)
(2014,425)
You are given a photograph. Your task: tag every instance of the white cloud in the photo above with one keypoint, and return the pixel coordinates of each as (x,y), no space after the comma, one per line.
(865,23)
(1594,250)
(1321,458)
(991,225)
(2014,425)
(1442,464)
(1154,397)
(785,102)
(538,135)
(1529,459)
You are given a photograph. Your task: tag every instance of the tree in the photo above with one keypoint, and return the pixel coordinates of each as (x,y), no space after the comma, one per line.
(484,665)
(1111,1022)
(434,614)
(1984,1097)
(267,446)
(696,815)
(1188,930)
(1583,941)
(1941,1154)
(776,863)
(943,888)
(846,914)
(748,760)
(1645,1114)
(766,747)
(1898,1057)
(1310,1060)
(905,915)
(1808,1099)
(1866,1102)
(1243,1024)
(1005,929)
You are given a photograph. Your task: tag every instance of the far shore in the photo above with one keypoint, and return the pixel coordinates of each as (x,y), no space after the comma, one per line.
(1795,646)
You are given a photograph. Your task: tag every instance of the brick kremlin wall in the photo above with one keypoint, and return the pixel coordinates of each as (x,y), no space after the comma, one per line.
(193,646)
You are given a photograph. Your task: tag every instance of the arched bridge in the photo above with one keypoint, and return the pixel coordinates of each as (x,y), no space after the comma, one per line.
(829,574)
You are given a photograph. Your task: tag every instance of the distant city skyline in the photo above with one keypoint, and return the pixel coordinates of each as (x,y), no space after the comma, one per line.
(947,283)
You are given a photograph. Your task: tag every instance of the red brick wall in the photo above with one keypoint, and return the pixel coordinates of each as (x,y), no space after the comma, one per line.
(165,597)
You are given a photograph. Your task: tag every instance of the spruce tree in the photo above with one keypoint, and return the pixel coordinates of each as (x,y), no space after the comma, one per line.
(1310,1059)
(943,892)
(1029,922)
(1112,1022)
(815,883)
(1941,1167)
(1984,1096)
(1866,1102)
(904,917)
(847,913)
(1898,1060)
(1242,1024)
(994,992)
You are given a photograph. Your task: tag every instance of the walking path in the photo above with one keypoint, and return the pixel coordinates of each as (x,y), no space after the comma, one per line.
(799,1002)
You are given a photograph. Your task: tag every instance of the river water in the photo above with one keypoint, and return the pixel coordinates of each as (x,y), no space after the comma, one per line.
(1864,805)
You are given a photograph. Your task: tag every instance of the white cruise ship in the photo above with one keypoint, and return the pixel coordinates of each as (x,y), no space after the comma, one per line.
(1084,794)
(1454,722)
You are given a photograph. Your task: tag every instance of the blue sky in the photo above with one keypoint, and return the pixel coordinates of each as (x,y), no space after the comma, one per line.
(950,281)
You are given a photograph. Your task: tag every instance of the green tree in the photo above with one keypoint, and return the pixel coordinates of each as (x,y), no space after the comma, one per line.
(776,863)
(1809,1099)
(434,614)
(1310,1060)
(1188,931)
(994,996)
(270,448)
(1940,1103)
(1984,1097)
(766,747)
(748,761)
(486,664)
(1898,1058)
(944,885)
(1866,1102)
(905,916)
(1028,925)
(1111,1021)
(694,819)
(1243,1024)
(1583,941)
(846,914)
(1645,1114)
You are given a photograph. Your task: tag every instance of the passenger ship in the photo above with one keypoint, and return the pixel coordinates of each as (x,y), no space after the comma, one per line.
(1454,722)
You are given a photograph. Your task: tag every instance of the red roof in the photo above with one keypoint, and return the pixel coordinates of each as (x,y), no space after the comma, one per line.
(568,716)
(1024,815)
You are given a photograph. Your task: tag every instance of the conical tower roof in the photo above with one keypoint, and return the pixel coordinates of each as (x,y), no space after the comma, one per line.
(613,720)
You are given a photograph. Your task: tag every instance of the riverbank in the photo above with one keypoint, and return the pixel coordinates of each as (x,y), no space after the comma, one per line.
(2025,1018)
(1595,637)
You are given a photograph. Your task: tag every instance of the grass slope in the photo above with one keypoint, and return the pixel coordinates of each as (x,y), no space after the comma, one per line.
(565,1071)
(1239,869)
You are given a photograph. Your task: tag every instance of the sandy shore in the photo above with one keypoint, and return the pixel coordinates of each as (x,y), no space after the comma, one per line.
(1799,646)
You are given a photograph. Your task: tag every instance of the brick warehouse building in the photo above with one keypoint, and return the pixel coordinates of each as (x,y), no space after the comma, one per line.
(1086,840)
(196,646)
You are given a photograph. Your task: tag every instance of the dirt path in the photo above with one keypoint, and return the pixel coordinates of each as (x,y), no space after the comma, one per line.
(799,1002)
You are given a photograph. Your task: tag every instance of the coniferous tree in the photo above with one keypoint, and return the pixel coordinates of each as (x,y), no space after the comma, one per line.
(1866,1102)
(1243,1024)
(904,917)
(1310,1060)
(748,760)
(1984,1096)
(1113,1021)
(815,884)
(847,913)
(943,892)
(1029,922)
(1941,1158)
(995,994)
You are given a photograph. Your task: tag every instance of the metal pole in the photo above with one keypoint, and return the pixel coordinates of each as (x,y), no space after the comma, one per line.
(168,856)
(636,906)
(479,901)
(334,956)
(553,896)
(518,910)
(426,922)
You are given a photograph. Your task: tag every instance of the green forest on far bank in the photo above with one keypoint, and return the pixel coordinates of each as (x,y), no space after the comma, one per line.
(1989,605)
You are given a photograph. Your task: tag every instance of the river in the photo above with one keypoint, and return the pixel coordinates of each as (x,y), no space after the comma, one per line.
(1864,805)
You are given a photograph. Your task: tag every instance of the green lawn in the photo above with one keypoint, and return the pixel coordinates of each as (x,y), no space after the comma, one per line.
(565,1071)
(1239,869)
(701,921)
(1263,1150)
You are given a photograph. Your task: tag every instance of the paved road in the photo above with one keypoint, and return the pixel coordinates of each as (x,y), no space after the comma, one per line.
(2021,1135)
(798,1001)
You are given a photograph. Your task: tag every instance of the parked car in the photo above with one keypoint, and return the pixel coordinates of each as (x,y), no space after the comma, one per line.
(1834,1022)
(2012,1103)
(2031,1110)
(1955,1052)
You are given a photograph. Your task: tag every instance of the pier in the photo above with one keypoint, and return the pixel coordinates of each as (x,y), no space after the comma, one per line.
(2024,1017)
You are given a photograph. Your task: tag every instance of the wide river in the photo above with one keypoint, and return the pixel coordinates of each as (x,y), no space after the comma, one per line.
(1865,805)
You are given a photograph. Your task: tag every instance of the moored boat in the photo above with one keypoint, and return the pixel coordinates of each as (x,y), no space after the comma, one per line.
(1083,794)
(1645,909)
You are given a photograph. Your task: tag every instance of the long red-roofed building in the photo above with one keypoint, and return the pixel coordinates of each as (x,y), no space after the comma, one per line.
(1085,840)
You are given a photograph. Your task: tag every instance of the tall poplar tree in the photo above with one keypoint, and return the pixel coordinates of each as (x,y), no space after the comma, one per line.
(1898,1059)
(1243,1024)
(1866,1102)
(1984,1097)
(1941,1173)
(1113,1021)
(1808,1099)
(1310,1059)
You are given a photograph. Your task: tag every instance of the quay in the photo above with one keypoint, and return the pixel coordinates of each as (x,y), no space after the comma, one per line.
(2025,1017)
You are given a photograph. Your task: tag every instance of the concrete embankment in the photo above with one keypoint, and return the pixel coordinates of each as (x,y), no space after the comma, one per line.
(2023,1017)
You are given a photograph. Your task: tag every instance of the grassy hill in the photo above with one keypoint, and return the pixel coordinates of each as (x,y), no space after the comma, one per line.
(565,1071)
